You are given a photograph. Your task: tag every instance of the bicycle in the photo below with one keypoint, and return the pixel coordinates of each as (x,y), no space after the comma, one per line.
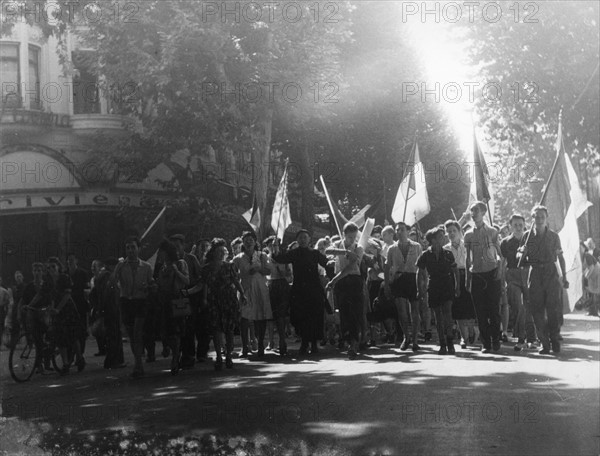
(24,358)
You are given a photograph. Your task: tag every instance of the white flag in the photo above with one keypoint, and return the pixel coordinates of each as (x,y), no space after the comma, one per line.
(412,202)
(281,217)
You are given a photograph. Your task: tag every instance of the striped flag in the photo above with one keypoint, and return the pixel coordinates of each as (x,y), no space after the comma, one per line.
(566,202)
(412,201)
(281,217)
(252,215)
(480,186)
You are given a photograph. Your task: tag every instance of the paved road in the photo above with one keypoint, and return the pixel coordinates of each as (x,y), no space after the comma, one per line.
(386,402)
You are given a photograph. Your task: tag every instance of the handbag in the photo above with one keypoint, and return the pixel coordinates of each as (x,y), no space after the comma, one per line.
(180,305)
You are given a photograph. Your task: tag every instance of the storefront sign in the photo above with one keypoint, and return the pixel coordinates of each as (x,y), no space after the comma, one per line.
(72,201)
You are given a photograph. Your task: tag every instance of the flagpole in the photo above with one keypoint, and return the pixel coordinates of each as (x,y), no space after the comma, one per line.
(412,155)
(282,197)
(153,222)
(453,214)
(331,206)
(549,179)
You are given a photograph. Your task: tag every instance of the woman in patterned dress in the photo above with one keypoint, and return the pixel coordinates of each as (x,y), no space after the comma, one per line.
(220,282)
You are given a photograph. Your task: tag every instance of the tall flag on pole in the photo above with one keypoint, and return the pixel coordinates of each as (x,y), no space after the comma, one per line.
(281,217)
(152,237)
(412,202)
(480,187)
(252,215)
(338,218)
(566,202)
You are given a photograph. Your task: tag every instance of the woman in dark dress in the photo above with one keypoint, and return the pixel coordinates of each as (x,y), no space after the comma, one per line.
(173,277)
(307,298)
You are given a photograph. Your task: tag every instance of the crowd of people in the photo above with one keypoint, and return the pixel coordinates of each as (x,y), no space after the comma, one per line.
(474,288)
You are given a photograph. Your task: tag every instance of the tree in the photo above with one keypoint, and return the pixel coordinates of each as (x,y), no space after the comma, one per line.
(542,58)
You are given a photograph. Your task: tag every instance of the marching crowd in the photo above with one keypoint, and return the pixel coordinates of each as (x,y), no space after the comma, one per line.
(477,287)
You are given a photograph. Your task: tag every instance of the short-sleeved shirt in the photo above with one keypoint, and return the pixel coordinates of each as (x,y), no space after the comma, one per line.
(134,279)
(341,261)
(439,269)
(542,248)
(398,262)
(460,253)
(508,248)
(483,243)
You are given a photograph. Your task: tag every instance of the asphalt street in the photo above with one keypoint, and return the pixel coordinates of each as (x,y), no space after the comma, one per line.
(386,402)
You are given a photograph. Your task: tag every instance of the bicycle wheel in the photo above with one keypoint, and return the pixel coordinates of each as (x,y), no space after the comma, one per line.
(22,359)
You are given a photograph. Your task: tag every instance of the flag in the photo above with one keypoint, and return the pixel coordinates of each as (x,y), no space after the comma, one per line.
(363,241)
(566,202)
(366,212)
(252,215)
(337,216)
(153,236)
(480,181)
(281,217)
(412,202)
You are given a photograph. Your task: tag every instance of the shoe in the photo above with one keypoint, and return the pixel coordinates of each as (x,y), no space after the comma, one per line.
(314,350)
(404,345)
(372,343)
(64,370)
(544,351)
(531,346)
(496,344)
(518,347)
(303,350)
(270,346)
(415,347)
(427,336)
(555,346)
(229,362)
(175,367)
(463,345)
(219,364)
(486,350)
(80,364)
(443,350)
(351,354)
(451,349)
(504,338)
(261,352)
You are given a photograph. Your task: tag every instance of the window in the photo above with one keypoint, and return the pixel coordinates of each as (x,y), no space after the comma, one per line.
(33,89)
(9,75)
(86,96)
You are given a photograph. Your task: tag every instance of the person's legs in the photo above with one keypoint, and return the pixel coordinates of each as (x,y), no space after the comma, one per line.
(402,307)
(217,338)
(463,329)
(138,343)
(244,328)
(481,310)
(448,325)
(260,328)
(440,330)
(416,321)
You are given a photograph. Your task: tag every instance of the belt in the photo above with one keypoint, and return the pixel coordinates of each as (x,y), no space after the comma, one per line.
(541,265)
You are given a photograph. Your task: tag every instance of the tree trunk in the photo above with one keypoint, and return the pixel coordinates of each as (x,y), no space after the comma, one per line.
(261,148)
(307,184)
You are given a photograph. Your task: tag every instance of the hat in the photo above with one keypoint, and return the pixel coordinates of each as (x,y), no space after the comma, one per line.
(177,237)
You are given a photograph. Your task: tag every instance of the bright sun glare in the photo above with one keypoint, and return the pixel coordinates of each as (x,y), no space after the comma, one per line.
(444,54)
